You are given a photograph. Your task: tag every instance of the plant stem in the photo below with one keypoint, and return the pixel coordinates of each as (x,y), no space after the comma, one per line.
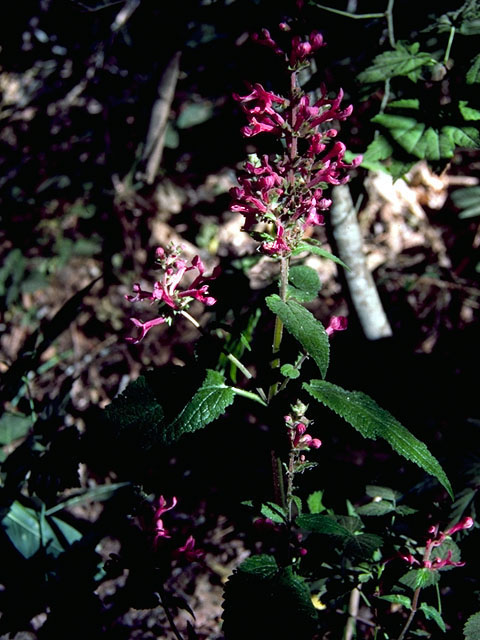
(415,598)
(278,330)
(355,16)
(168,613)
(389,17)
(449,44)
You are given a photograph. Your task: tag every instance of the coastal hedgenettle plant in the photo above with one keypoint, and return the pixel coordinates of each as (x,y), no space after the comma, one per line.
(281,196)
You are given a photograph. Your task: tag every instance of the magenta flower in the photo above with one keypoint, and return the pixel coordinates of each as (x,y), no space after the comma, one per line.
(287,189)
(189,552)
(337,323)
(160,531)
(166,289)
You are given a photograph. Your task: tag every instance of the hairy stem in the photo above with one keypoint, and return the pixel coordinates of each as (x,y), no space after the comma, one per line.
(278,329)
(410,618)
(389,17)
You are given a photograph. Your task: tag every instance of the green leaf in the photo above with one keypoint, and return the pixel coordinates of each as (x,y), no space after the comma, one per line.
(289,371)
(397,598)
(425,142)
(467,112)
(263,566)
(274,512)
(473,74)
(363,545)
(471,629)
(386,493)
(304,283)
(95,494)
(402,61)
(467,199)
(194,113)
(364,414)
(420,578)
(14,426)
(405,103)
(210,402)
(379,157)
(376,508)
(326,525)
(315,502)
(433,614)
(22,526)
(318,251)
(303,326)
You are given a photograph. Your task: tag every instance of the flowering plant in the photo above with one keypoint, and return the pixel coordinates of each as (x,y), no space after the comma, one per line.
(282,197)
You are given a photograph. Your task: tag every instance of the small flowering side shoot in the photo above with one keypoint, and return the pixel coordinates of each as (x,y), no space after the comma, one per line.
(165,291)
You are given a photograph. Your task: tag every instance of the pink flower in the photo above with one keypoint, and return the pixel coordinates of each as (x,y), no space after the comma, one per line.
(466,523)
(337,323)
(166,289)
(162,508)
(278,246)
(189,552)
(144,328)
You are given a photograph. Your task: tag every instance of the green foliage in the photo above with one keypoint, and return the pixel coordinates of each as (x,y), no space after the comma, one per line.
(315,502)
(468,200)
(312,247)
(427,142)
(13,426)
(378,152)
(263,600)
(303,326)
(353,543)
(473,74)
(364,414)
(404,60)
(210,401)
(29,531)
(433,614)
(398,598)
(289,371)
(304,283)
(471,629)
(422,578)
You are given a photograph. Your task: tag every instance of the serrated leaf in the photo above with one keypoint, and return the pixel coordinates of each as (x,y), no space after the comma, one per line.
(326,525)
(289,371)
(303,326)
(136,407)
(433,614)
(263,566)
(210,402)
(364,414)
(374,491)
(376,508)
(22,526)
(467,199)
(420,578)
(400,62)
(473,74)
(304,283)
(404,510)
(363,545)
(274,512)
(403,129)
(471,629)
(397,598)
(467,112)
(315,502)
(319,251)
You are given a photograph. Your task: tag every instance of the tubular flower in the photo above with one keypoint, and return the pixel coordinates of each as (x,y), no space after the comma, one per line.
(437,539)
(160,531)
(166,290)
(287,189)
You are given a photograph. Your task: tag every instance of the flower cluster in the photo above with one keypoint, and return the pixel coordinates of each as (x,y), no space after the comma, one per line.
(299,438)
(288,189)
(186,551)
(166,290)
(436,540)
